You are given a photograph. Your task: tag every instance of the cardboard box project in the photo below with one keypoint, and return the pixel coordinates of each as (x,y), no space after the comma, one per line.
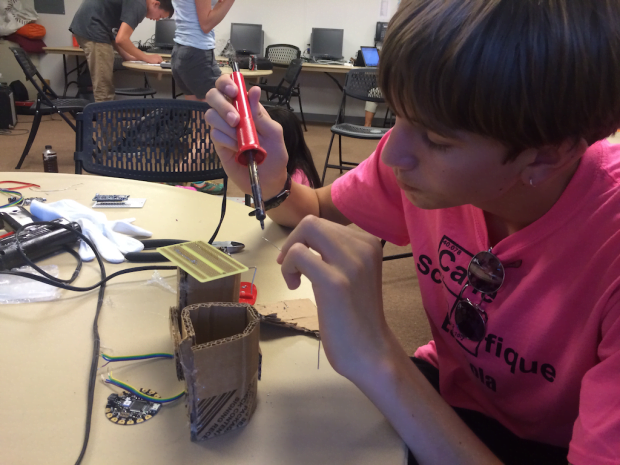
(191,291)
(218,354)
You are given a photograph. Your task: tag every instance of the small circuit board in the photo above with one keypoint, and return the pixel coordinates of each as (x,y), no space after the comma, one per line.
(201,260)
(129,409)
(101,199)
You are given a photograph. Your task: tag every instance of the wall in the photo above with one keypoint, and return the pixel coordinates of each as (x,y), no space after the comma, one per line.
(289,21)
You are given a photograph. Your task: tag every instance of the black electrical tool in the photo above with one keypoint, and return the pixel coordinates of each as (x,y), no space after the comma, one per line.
(37,241)
(15,217)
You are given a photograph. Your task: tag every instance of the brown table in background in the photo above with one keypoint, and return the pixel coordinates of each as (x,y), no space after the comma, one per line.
(159,72)
(78,53)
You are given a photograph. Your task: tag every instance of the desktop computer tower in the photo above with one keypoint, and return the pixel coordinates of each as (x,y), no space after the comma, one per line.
(8,118)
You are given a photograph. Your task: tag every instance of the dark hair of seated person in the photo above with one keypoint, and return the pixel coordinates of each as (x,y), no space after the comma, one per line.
(299,156)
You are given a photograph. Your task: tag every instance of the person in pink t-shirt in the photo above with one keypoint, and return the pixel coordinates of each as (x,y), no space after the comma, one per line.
(300,164)
(498,175)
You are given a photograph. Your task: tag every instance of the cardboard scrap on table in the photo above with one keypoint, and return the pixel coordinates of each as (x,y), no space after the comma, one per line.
(299,314)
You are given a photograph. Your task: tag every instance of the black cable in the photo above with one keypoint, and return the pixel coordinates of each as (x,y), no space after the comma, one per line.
(53,282)
(48,279)
(78,268)
(223,211)
(92,379)
(20,249)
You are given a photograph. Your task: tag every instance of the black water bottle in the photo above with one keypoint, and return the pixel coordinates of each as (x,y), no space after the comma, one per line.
(50,160)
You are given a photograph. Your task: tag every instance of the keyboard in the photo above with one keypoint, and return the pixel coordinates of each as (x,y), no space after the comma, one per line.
(165,51)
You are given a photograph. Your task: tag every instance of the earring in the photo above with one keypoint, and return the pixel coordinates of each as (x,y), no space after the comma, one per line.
(531,182)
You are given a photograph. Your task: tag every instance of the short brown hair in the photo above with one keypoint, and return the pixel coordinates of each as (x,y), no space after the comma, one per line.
(527,73)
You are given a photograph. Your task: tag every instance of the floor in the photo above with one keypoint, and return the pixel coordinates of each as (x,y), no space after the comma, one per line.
(401,295)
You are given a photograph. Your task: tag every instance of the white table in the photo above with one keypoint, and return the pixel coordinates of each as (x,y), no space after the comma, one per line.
(305,415)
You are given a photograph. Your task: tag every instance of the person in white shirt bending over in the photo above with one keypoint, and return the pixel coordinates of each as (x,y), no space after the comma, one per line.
(194,67)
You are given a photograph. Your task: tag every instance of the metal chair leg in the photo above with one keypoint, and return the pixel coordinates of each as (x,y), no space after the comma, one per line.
(33,133)
(67,120)
(301,110)
(340,151)
(327,159)
(394,257)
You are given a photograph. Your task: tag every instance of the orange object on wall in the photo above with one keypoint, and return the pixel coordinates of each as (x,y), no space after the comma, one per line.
(32,31)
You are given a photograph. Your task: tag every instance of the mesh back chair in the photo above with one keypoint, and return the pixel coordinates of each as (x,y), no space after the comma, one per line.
(132,91)
(47,101)
(161,140)
(288,88)
(359,84)
(282,54)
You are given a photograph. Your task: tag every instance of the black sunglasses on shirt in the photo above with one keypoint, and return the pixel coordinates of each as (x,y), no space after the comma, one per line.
(485,274)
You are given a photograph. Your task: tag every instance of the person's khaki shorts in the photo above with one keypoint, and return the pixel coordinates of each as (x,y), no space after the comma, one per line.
(100,59)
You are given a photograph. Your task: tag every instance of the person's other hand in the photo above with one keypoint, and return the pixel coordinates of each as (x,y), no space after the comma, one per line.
(346,279)
(223,119)
(153,58)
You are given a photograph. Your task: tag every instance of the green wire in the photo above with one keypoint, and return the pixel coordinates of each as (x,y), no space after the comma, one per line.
(137,392)
(128,387)
(15,202)
(122,358)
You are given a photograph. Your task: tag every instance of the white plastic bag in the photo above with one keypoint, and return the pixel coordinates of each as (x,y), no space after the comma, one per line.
(17,290)
(15,14)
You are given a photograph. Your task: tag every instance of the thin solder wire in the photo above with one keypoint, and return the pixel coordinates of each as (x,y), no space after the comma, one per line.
(272,243)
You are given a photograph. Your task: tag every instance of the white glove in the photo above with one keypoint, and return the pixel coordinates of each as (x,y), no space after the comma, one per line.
(104,234)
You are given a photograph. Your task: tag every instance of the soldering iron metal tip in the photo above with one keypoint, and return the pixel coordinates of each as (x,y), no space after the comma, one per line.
(262,225)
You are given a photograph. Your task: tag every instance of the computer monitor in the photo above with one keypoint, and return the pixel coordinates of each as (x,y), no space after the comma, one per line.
(370,56)
(247,39)
(326,43)
(164,33)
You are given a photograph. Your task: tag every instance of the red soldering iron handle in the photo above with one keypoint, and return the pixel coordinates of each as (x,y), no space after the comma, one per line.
(246,131)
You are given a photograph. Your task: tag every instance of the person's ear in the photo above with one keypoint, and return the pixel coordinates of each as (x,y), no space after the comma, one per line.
(548,161)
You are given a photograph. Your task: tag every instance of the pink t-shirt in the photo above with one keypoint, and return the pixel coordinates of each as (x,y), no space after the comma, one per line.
(549,366)
(300,178)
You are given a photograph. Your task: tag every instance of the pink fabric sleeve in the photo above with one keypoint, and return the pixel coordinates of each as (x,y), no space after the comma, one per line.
(369,197)
(300,178)
(596,433)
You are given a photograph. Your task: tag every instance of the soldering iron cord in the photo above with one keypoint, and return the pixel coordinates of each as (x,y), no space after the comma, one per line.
(92,379)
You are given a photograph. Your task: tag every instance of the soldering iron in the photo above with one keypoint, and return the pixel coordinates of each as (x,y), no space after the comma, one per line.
(250,153)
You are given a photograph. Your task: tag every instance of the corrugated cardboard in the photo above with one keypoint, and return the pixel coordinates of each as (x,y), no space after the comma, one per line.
(299,315)
(191,291)
(218,353)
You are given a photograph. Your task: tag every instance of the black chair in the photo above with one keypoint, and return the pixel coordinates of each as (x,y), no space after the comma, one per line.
(160,140)
(396,256)
(282,54)
(144,91)
(47,101)
(288,88)
(359,84)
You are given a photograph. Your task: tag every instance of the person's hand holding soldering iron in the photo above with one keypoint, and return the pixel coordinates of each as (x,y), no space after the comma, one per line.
(225,131)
